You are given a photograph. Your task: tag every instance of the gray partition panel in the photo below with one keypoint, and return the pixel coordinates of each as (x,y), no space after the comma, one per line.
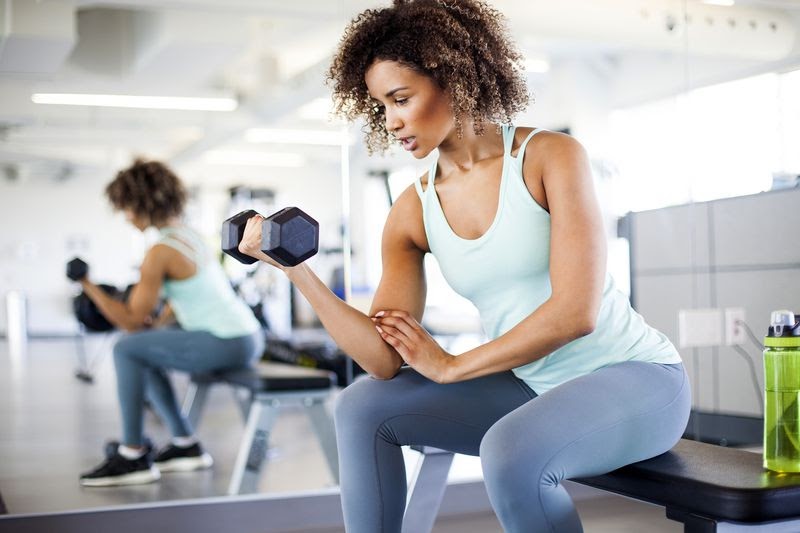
(670,238)
(758,230)
(747,256)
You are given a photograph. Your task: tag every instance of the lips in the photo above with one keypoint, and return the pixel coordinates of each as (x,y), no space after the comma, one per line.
(409,143)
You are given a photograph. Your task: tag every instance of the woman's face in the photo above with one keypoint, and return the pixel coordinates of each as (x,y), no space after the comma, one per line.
(417,110)
(138,221)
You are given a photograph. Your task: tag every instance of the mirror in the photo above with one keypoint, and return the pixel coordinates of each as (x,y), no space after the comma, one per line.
(677,102)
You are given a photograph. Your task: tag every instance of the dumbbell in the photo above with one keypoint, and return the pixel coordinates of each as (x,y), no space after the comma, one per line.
(289,236)
(77,269)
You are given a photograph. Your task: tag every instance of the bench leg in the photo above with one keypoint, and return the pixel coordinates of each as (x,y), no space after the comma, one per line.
(322,422)
(693,523)
(243,399)
(426,488)
(193,402)
(253,450)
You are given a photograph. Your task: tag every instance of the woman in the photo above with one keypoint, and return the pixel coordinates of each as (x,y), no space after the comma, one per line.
(572,381)
(217,330)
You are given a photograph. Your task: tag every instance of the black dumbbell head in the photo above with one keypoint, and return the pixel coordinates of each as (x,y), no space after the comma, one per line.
(77,269)
(232,233)
(290,236)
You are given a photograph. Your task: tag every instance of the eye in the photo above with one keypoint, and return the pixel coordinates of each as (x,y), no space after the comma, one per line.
(401,101)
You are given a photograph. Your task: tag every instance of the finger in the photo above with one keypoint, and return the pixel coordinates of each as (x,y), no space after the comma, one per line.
(394,341)
(404,316)
(394,332)
(399,324)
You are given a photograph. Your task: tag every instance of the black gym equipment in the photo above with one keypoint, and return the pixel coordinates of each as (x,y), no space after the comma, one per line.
(92,320)
(289,236)
(89,315)
(77,269)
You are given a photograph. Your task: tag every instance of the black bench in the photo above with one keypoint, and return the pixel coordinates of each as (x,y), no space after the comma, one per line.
(708,488)
(261,392)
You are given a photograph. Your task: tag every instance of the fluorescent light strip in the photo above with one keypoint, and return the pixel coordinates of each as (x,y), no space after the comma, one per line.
(138,102)
(724,3)
(282,136)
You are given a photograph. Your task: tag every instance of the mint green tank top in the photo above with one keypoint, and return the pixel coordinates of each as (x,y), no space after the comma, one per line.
(505,274)
(205,301)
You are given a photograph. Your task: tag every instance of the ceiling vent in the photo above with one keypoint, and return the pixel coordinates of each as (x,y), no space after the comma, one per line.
(35,37)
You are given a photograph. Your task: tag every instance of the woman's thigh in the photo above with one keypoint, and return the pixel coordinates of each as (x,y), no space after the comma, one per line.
(193,351)
(411,409)
(593,424)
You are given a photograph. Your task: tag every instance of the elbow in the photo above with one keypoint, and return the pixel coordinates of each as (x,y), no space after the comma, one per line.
(385,372)
(132,326)
(584,327)
(383,376)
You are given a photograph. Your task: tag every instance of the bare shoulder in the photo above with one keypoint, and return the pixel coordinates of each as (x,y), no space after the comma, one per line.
(404,223)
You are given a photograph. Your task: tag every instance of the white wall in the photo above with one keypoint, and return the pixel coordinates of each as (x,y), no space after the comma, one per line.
(45,223)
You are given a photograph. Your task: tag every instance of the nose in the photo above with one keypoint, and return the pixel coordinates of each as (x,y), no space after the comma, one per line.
(393,122)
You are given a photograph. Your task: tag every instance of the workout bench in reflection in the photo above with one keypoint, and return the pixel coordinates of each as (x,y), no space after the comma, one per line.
(260,393)
(708,488)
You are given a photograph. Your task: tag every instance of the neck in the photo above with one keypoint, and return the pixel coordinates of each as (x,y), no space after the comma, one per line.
(168,223)
(464,153)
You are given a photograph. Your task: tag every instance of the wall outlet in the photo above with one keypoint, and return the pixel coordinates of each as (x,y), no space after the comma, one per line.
(700,327)
(734,326)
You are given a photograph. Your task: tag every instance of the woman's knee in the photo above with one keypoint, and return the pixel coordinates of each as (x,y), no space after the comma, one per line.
(500,453)
(127,347)
(124,347)
(358,401)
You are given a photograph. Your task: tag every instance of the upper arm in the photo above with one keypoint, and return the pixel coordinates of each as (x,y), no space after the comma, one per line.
(577,240)
(402,285)
(145,294)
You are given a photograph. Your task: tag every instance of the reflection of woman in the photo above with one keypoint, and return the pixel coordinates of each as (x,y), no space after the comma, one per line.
(217,331)
(573,382)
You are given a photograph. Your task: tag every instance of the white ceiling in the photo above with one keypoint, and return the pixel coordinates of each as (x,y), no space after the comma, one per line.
(271,56)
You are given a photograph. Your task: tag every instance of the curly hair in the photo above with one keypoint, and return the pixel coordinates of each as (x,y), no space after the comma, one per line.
(150,189)
(463,45)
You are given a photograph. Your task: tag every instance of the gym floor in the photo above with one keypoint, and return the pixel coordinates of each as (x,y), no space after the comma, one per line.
(54,426)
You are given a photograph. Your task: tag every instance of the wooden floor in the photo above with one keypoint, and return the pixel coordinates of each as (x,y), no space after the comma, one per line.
(54,426)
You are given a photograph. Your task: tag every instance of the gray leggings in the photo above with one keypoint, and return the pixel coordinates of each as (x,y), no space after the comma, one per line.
(588,426)
(141,360)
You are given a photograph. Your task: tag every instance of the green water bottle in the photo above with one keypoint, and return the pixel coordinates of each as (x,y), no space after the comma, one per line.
(782,393)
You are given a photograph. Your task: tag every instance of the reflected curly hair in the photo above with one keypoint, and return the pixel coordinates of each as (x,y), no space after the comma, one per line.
(463,45)
(150,189)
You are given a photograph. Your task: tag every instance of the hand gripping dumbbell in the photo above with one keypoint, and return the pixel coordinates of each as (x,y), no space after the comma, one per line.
(289,236)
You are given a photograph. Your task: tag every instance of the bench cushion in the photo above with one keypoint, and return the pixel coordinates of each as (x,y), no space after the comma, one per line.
(271,377)
(708,480)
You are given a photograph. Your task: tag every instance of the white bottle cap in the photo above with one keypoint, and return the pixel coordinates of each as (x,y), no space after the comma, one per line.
(781,319)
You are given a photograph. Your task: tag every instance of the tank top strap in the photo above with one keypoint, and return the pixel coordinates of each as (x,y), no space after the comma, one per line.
(418,187)
(431,177)
(184,241)
(507,131)
(517,160)
(521,151)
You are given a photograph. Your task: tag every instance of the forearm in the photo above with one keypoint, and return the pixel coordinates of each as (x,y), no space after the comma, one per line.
(539,334)
(353,331)
(115,311)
